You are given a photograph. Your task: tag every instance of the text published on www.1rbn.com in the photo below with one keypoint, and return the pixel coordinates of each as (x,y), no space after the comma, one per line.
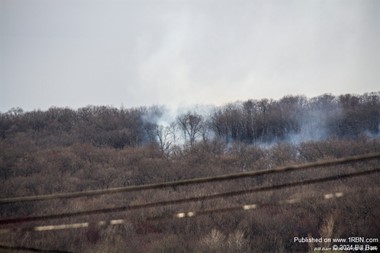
(340,244)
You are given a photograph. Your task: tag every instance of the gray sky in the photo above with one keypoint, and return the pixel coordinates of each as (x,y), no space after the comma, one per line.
(182,52)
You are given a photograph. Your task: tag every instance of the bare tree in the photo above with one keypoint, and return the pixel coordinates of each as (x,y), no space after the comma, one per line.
(165,137)
(191,125)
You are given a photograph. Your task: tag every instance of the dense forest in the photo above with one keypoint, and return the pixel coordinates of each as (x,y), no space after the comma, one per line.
(99,147)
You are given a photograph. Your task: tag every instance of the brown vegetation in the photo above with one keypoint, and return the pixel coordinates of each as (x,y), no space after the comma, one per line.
(63,150)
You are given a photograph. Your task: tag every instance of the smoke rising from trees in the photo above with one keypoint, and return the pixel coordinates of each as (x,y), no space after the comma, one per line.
(292,119)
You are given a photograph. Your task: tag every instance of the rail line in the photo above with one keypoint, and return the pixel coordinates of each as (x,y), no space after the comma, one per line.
(186,200)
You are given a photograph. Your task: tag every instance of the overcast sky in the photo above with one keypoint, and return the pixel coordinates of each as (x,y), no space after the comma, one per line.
(182,52)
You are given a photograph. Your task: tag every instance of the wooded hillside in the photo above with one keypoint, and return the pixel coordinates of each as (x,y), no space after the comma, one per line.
(64,150)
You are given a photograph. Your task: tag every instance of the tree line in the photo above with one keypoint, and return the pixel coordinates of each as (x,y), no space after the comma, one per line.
(289,119)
